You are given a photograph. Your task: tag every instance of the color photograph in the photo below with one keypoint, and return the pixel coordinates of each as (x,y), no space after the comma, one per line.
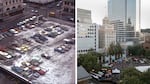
(37,41)
(113,42)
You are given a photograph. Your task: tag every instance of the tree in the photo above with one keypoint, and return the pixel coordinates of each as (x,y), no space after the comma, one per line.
(119,48)
(130,72)
(115,50)
(136,50)
(111,50)
(131,76)
(145,77)
(147,53)
(131,80)
(90,61)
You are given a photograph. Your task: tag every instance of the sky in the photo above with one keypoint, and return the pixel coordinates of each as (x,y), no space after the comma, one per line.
(99,10)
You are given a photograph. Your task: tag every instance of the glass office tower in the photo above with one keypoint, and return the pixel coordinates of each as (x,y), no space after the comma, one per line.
(126,11)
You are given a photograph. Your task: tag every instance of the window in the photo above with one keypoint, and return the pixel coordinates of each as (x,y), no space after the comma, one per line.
(72,11)
(72,4)
(66,9)
(13,7)
(6,3)
(9,2)
(19,6)
(66,3)
(7,9)
(13,1)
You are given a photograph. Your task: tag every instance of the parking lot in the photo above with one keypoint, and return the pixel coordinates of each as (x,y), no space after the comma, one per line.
(42,52)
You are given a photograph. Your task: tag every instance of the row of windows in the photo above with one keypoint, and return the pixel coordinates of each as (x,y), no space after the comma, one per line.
(85,50)
(91,32)
(69,3)
(13,7)
(85,36)
(69,10)
(91,29)
(12,2)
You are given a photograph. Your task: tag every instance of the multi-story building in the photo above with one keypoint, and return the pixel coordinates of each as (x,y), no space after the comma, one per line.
(68,8)
(41,1)
(107,34)
(10,7)
(120,30)
(128,13)
(87,33)
(1,10)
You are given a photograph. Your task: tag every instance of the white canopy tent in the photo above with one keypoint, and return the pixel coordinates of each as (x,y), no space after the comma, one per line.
(142,68)
(116,71)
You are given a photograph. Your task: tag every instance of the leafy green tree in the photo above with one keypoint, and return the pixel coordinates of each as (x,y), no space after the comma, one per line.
(147,53)
(111,50)
(115,50)
(136,50)
(130,72)
(120,49)
(145,77)
(131,76)
(131,80)
(90,61)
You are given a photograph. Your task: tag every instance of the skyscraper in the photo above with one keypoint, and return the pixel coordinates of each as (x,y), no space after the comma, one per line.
(128,12)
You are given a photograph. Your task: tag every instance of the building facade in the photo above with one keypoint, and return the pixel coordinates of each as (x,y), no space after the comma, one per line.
(1,10)
(68,8)
(127,12)
(120,31)
(10,7)
(87,32)
(40,1)
(107,34)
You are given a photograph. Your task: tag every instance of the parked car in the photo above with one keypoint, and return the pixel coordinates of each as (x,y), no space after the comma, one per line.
(17,69)
(43,32)
(5,55)
(26,73)
(66,47)
(59,3)
(35,68)
(26,64)
(39,38)
(13,31)
(37,75)
(52,34)
(69,41)
(64,28)
(45,56)
(36,61)
(59,49)
(42,71)
(1,37)
(7,34)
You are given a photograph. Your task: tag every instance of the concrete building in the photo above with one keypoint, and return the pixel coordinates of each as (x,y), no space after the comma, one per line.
(87,32)
(146,44)
(120,31)
(128,13)
(107,34)
(10,7)
(40,1)
(68,8)
(1,10)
